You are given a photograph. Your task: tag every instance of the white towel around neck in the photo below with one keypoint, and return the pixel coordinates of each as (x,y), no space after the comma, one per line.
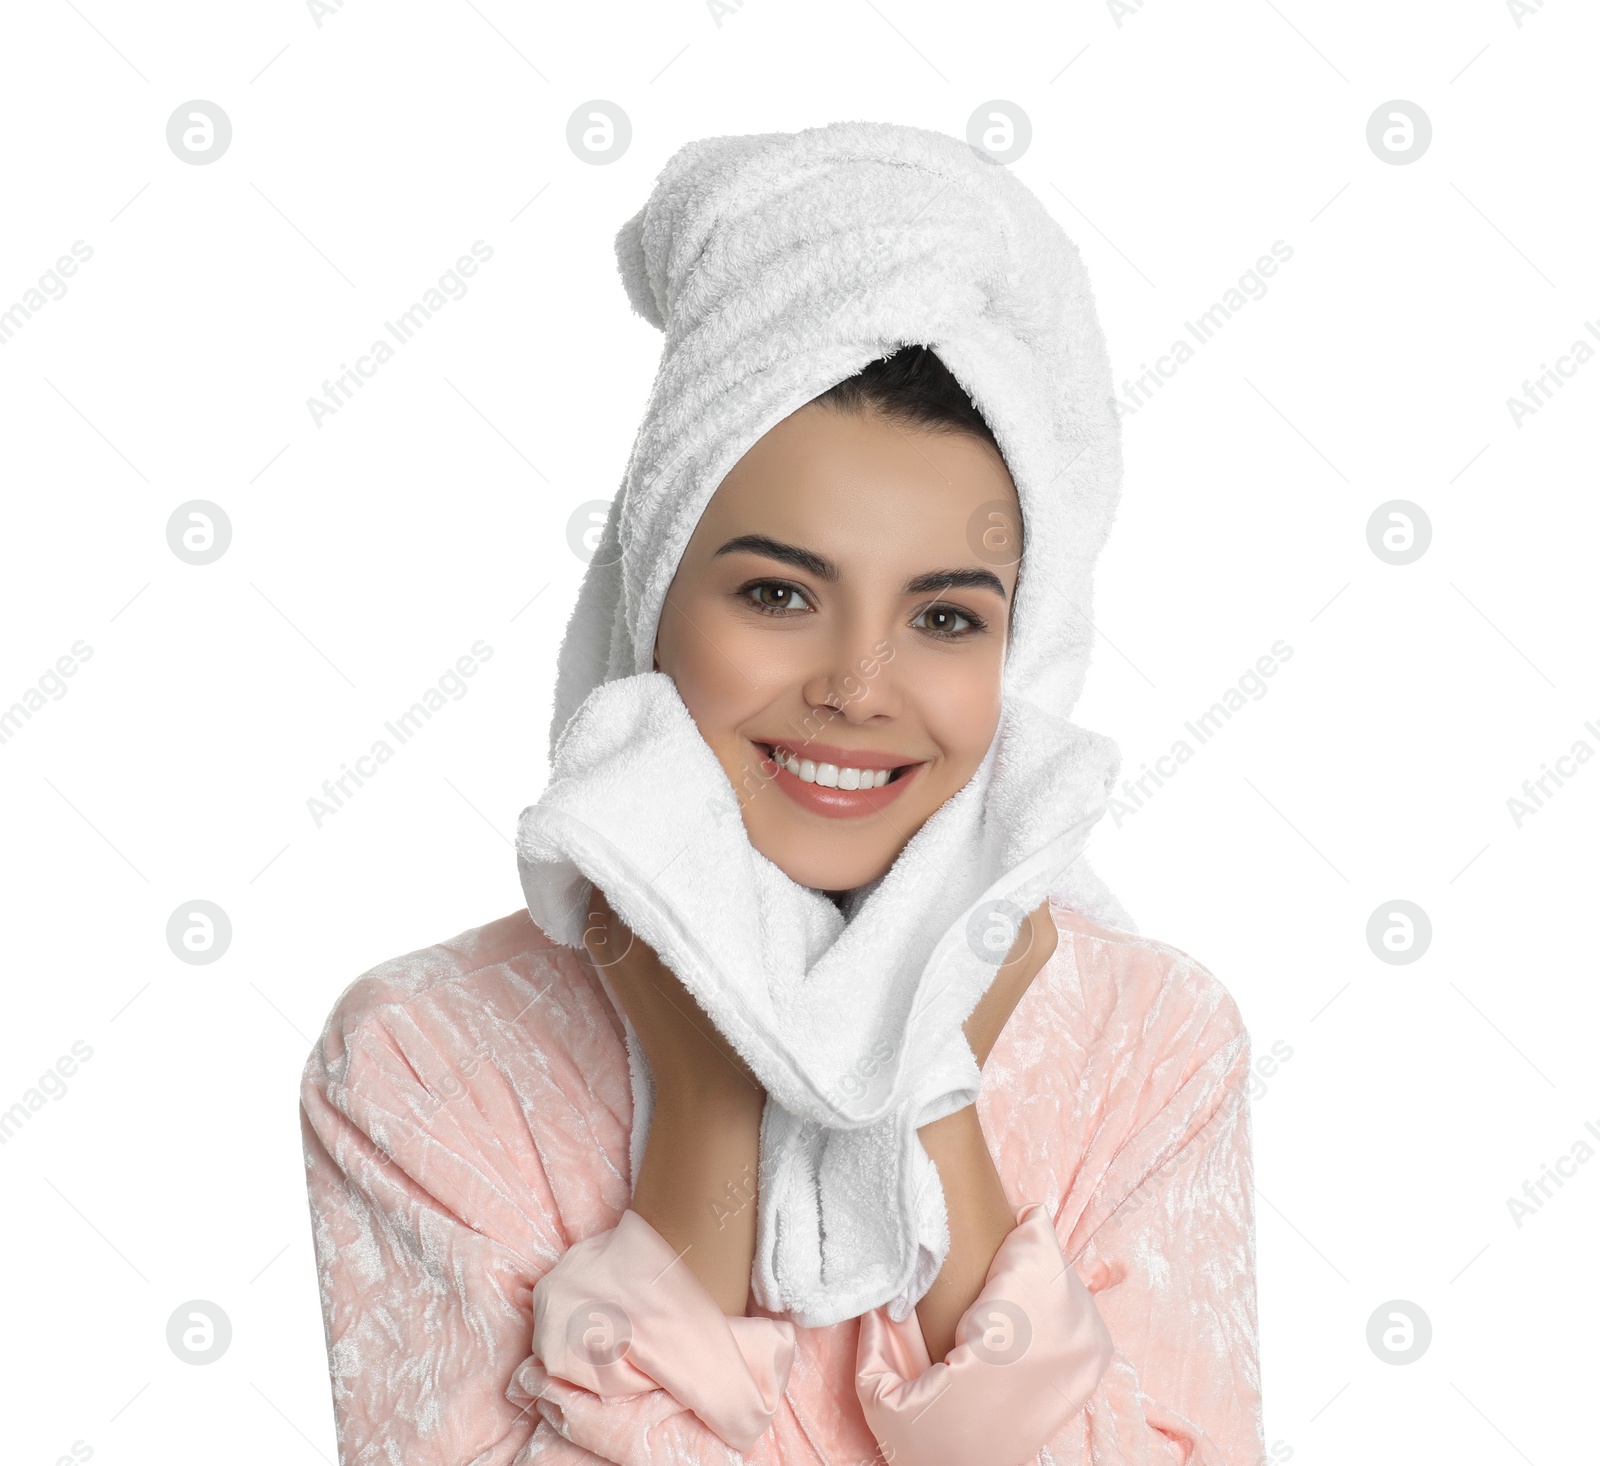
(776,265)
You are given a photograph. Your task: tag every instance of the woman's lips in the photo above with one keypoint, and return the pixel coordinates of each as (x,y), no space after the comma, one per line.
(835,802)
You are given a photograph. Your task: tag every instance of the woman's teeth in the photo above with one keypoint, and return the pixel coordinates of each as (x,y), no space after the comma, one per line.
(830,776)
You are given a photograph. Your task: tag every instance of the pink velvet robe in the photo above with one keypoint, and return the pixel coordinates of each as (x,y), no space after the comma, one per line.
(466,1115)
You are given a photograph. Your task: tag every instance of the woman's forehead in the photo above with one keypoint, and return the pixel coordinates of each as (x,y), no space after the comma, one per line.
(822,478)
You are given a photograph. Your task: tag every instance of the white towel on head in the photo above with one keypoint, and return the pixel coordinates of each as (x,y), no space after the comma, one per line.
(777,265)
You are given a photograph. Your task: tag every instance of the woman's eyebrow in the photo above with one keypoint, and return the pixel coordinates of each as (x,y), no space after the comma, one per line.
(973,579)
(760,544)
(823,568)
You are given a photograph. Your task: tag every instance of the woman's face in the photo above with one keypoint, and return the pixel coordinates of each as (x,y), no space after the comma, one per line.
(839,619)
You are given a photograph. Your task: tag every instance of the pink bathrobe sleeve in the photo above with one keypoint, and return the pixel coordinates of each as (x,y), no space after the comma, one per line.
(461,1115)
(466,1115)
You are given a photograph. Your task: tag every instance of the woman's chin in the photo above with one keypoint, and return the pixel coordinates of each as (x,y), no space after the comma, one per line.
(821,869)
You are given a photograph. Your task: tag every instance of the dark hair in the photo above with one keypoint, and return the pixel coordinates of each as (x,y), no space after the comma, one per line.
(910,386)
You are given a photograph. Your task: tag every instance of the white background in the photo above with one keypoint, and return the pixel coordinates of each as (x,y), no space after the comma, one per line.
(370,552)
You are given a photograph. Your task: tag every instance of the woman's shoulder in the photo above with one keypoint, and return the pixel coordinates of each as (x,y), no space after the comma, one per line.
(1126,972)
(506,970)
(1124,1049)
(445,1077)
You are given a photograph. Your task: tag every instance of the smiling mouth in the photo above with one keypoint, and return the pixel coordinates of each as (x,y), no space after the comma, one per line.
(838,775)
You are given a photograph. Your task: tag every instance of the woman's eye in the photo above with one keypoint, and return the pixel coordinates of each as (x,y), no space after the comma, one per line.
(774,595)
(946,621)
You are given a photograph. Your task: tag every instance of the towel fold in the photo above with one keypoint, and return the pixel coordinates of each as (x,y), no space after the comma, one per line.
(777,265)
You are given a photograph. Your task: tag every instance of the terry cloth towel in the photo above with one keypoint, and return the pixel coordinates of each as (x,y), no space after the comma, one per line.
(777,265)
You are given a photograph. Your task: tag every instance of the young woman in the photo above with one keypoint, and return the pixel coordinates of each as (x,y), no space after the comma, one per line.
(501,1283)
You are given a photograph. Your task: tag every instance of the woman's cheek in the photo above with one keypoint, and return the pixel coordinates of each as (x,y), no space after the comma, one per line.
(707,654)
(751,666)
(728,672)
(959,700)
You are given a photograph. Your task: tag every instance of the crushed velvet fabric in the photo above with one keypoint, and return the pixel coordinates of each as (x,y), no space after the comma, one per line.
(466,1116)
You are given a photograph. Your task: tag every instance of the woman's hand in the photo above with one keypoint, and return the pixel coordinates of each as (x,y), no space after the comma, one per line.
(980,1216)
(684,1047)
(697,1181)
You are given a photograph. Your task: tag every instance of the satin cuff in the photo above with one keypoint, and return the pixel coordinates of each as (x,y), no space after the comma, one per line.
(620,1312)
(1030,1350)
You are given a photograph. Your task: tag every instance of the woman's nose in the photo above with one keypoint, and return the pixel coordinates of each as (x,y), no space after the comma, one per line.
(855,679)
